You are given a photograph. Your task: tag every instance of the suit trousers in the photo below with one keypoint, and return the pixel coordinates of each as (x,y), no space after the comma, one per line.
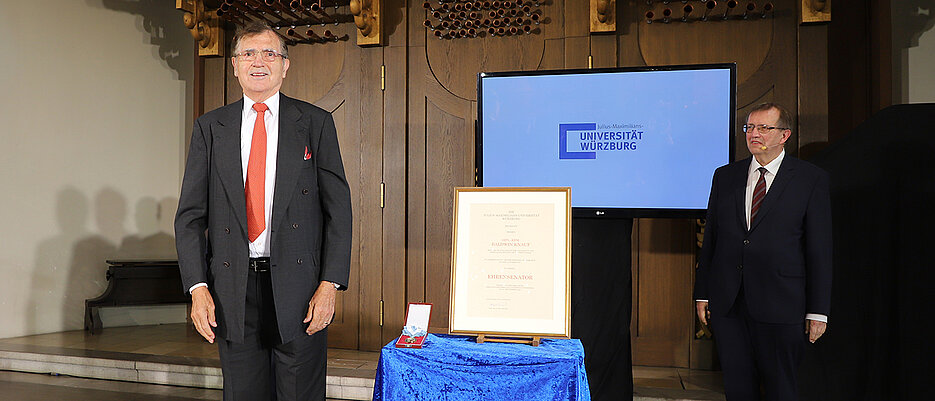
(262,367)
(754,353)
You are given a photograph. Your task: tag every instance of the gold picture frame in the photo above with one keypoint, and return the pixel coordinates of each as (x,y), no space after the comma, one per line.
(511,262)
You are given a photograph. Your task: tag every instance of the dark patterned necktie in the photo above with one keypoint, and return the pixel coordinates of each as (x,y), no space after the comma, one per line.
(759,192)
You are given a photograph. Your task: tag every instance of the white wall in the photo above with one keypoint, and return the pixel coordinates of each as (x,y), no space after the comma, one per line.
(921,69)
(95,101)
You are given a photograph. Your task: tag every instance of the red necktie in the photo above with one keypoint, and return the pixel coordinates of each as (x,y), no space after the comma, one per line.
(759,192)
(255,187)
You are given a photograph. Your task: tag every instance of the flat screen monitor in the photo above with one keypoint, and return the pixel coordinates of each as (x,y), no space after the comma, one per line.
(630,142)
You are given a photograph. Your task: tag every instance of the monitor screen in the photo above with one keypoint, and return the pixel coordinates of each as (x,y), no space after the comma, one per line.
(632,142)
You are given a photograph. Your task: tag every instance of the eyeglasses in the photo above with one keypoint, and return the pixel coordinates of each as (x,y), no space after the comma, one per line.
(267,55)
(762,128)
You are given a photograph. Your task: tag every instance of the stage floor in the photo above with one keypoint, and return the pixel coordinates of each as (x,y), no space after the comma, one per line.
(174,354)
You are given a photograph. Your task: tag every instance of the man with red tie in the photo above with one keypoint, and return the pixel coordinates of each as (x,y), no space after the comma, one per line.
(764,274)
(263,229)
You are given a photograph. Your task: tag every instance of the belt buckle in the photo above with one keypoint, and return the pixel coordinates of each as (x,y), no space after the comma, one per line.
(255,265)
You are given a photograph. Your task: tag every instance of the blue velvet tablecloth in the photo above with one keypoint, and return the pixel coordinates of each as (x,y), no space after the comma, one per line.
(457,368)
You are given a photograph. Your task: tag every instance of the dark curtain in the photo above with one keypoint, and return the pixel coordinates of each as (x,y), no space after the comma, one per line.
(879,343)
(600,303)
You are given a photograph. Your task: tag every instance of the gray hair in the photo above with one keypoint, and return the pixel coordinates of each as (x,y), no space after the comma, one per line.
(257,28)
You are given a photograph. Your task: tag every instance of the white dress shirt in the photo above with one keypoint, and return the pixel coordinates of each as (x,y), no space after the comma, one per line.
(260,247)
(752,176)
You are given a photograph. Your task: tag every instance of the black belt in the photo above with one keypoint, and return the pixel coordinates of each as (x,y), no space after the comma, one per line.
(259,265)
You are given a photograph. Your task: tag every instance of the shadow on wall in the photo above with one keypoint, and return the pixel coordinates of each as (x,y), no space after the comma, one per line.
(172,42)
(164,26)
(150,241)
(910,19)
(70,266)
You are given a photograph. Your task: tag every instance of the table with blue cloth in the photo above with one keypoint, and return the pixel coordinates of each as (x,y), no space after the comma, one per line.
(457,368)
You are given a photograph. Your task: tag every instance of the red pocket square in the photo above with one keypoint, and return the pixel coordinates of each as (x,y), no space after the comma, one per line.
(307,154)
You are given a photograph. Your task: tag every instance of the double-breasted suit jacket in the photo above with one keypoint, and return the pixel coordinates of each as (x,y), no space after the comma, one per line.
(310,225)
(783,261)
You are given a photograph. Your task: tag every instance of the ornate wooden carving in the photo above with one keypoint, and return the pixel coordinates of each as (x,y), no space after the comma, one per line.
(707,11)
(293,20)
(204,25)
(368,18)
(603,16)
(475,19)
(815,11)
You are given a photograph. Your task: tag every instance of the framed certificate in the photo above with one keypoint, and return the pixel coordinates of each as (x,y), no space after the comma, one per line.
(511,258)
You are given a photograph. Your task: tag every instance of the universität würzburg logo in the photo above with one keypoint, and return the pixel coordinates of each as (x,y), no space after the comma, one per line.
(586,140)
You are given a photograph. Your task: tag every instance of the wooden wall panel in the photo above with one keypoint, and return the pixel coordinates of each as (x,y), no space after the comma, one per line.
(603,51)
(629,18)
(394,168)
(576,52)
(232,91)
(813,89)
(553,55)
(345,106)
(416,178)
(449,139)
(394,177)
(416,137)
(346,319)
(370,215)
(574,18)
(214,85)
(455,65)
(326,86)
(442,112)
(313,79)
(709,42)
(661,327)
(553,33)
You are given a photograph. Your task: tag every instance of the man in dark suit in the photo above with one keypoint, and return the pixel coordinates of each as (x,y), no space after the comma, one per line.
(764,275)
(263,229)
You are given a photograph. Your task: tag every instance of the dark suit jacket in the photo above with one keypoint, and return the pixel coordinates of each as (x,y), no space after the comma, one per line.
(784,260)
(310,223)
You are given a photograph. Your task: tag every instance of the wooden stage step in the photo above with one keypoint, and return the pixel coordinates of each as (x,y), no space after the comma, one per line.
(169,354)
(175,354)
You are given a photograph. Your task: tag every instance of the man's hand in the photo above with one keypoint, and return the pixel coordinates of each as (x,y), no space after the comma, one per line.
(815,329)
(320,308)
(203,313)
(703,313)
